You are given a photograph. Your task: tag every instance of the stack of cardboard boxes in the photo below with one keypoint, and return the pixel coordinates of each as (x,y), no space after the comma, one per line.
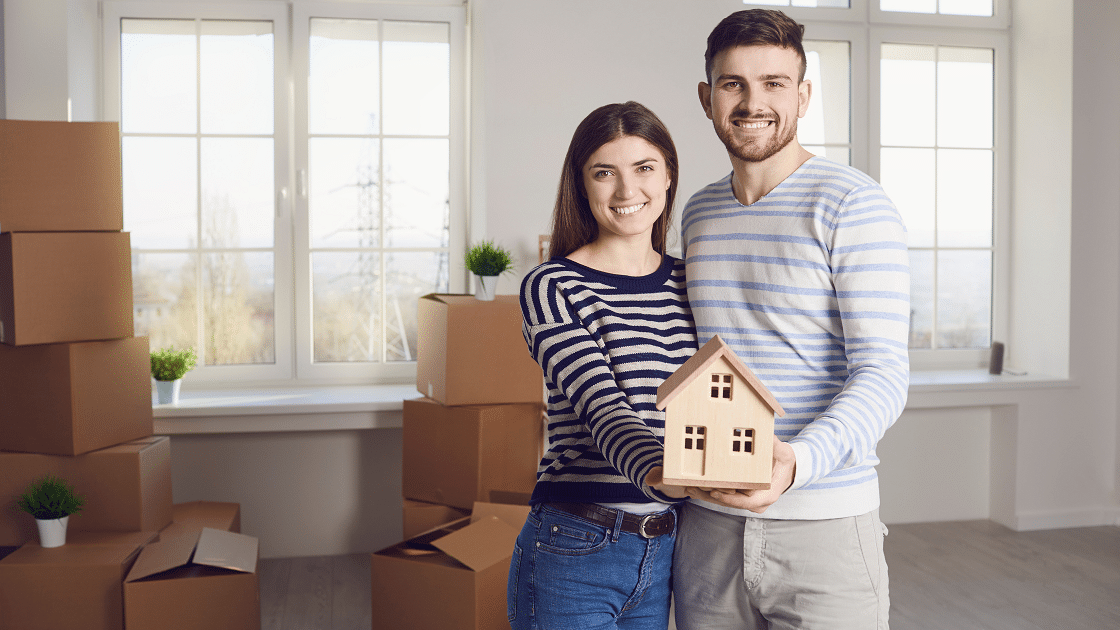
(75,399)
(471,450)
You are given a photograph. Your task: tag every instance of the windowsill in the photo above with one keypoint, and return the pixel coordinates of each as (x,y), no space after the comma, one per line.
(357,407)
(268,410)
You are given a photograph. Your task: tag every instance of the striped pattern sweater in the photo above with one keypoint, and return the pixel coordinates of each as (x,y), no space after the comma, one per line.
(605,342)
(810,285)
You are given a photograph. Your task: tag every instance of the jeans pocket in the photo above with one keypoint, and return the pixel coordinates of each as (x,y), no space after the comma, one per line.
(565,535)
(511,586)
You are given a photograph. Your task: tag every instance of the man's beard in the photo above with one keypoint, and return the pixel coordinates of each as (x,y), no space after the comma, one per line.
(753,151)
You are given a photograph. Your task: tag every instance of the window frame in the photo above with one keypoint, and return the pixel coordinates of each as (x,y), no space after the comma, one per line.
(307,370)
(292,298)
(865,27)
(998,41)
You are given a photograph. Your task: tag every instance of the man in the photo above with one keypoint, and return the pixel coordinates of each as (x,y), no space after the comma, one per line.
(800,264)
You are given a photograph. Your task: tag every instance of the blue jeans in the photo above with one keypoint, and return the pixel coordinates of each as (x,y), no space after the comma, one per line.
(571,574)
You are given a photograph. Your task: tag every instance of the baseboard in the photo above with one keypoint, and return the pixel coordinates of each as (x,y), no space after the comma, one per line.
(1065,519)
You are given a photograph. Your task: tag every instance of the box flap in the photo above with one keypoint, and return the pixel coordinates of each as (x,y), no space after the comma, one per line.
(226,550)
(512,515)
(168,553)
(480,544)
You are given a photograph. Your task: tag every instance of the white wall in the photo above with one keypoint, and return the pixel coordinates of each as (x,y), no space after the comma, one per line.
(1031,458)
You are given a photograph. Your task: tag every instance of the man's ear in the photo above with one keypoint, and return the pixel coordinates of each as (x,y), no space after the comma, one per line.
(704,91)
(804,92)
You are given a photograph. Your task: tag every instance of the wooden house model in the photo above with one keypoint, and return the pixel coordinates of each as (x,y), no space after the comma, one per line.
(719,422)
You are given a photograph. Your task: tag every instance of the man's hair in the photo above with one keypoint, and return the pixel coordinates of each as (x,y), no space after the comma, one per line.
(755,27)
(573,224)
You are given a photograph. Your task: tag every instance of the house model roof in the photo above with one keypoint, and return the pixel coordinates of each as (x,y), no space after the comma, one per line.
(704,357)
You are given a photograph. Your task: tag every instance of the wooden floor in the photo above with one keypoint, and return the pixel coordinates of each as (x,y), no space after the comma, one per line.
(972,575)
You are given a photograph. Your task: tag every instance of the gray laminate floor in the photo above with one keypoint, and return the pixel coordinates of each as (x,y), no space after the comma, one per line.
(971,575)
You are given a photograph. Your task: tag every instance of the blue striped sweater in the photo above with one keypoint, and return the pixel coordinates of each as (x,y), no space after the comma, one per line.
(605,342)
(810,285)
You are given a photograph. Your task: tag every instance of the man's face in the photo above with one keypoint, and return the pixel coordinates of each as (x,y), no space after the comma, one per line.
(755,99)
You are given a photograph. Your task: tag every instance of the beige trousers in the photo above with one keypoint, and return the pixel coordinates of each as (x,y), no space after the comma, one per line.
(734,572)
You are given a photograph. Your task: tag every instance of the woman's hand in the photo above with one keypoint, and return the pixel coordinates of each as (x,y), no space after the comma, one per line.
(656,480)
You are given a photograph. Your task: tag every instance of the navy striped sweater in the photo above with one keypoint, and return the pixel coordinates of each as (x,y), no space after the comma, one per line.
(811,287)
(605,342)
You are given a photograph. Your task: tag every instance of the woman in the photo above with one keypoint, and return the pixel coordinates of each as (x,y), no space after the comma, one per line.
(607,319)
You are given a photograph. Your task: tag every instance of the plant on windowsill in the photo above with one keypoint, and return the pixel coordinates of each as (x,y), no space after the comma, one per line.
(168,368)
(51,500)
(487,261)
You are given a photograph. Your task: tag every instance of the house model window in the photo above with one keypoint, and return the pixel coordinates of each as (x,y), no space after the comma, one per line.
(690,441)
(742,441)
(721,386)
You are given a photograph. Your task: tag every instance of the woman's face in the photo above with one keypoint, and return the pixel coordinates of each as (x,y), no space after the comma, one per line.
(625,181)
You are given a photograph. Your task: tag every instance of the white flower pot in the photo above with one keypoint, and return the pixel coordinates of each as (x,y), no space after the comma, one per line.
(52,532)
(484,287)
(167,392)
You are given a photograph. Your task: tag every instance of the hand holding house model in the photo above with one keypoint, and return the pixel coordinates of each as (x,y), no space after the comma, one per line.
(719,422)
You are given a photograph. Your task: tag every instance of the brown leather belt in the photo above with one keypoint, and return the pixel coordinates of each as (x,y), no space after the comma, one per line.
(645,525)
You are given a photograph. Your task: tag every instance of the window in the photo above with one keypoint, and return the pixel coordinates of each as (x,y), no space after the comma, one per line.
(932,76)
(288,205)
(721,386)
(742,441)
(698,433)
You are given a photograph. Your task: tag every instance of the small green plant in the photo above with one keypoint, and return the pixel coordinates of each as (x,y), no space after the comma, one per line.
(50,497)
(488,259)
(169,364)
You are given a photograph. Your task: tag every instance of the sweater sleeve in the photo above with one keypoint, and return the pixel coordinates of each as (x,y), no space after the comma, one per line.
(871,276)
(574,361)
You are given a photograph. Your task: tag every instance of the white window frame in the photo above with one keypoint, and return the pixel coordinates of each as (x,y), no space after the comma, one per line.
(306,369)
(293,323)
(866,27)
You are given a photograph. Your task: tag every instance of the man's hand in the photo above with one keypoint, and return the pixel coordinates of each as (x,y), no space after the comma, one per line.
(785,467)
(656,480)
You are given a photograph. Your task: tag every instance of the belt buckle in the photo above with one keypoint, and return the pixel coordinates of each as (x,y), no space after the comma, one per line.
(642,526)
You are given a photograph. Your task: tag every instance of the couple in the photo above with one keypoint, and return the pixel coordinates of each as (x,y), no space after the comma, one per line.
(798,263)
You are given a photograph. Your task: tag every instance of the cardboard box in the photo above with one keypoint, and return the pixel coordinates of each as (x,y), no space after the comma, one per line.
(57,287)
(459,455)
(60,176)
(127,488)
(198,514)
(200,580)
(465,570)
(471,352)
(421,516)
(73,398)
(77,585)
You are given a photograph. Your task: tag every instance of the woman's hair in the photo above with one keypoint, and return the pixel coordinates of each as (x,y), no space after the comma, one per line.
(573,224)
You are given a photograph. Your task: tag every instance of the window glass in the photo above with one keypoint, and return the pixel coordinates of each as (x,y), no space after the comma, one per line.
(937,163)
(944,7)
(379,172)
(198,177)
(826,127)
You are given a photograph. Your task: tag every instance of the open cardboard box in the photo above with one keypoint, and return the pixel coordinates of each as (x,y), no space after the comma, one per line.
(73,398)
(472,352)
(60,176)
(463,565)
(198,514)
(57,287)
(196,579)
(459,455)
(418,517)
(127,488)
(76,586)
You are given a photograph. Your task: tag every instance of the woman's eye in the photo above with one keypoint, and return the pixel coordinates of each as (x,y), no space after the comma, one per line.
(645,168)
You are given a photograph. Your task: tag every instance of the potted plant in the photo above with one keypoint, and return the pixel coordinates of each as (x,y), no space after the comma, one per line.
(168,368)
(487,261)
(51,500)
